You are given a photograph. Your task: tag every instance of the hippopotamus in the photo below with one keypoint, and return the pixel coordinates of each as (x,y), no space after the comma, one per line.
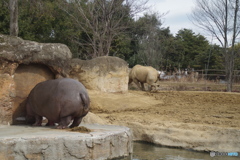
(144,74)
(60,101)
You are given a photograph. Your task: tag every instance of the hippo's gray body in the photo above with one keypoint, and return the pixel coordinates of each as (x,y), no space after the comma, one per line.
(60,101)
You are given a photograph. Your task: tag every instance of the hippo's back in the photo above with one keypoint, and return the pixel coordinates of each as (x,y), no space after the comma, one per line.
(53,97)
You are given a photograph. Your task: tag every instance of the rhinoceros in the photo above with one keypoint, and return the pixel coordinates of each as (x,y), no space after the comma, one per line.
(143,74)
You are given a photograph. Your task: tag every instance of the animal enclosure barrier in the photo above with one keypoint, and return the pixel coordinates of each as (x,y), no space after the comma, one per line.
(206,80)
(218,76)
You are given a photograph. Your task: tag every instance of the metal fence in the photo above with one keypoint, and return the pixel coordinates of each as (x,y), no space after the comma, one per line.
(218,75)
(200,80)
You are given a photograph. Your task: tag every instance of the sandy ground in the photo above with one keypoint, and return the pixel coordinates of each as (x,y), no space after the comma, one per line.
(188,119)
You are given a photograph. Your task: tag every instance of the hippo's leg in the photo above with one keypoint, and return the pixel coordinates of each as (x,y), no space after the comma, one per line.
(38,120)
(76,122)
(64,122)
(30,119)
(50,123)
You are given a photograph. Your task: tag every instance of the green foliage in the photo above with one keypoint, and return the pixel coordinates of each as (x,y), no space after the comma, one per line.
(42,21)
(122,47)
(151,39)
(35,20)
(190,46)
(187,49)
(143,41)
(211,59)
(103,23)
(237,56)
(4,17)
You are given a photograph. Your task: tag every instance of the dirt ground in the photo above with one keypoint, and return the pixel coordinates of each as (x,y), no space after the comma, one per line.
(208,108)
(199,120)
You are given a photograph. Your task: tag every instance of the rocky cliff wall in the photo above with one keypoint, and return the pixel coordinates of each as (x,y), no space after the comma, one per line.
(15,51)
(23,64)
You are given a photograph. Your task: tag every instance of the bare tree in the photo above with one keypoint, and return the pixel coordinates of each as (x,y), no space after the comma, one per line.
(220,18)
(151,39)
(102,20)
(13,6)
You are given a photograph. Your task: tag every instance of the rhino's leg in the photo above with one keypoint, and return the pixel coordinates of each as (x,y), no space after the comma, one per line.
(154,87)
(137,83)
(64,122)
(142,85)
(76,122)
(38,120)
(149,87)
(130,81)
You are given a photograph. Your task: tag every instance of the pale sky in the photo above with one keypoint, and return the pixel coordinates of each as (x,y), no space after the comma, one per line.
(178,13)
(178,16)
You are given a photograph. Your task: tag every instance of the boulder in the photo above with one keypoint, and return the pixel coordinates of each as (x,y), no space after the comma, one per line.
(23,64)
(16,50)
(7,95)
(106,74)
(102,142)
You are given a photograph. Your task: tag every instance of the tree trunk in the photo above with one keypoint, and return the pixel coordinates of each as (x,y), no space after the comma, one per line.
(221,19)
(13,5)
(229,72)
(232,53)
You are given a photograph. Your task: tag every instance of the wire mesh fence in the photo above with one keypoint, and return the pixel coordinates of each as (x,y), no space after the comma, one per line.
(218,75)
(200,80)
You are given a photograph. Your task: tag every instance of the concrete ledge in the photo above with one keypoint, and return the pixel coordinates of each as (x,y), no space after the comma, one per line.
(26,142)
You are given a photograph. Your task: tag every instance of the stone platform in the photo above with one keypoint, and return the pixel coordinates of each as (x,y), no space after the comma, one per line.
(26,142)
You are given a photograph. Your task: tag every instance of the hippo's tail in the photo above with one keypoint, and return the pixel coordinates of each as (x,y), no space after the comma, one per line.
(85,101)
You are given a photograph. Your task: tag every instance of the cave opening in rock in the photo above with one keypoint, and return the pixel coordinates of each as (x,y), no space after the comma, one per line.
(25,78)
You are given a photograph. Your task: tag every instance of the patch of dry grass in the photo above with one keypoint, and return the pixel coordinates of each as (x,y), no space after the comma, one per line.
(80,129)
(200,85)
(186,84)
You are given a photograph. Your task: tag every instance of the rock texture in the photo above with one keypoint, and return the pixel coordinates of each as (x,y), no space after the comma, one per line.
(92,118)
(23,64)
(202,121)
(25,78)
(103,142)
(7,95)
(196,137)
(107,74)
(16,50)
